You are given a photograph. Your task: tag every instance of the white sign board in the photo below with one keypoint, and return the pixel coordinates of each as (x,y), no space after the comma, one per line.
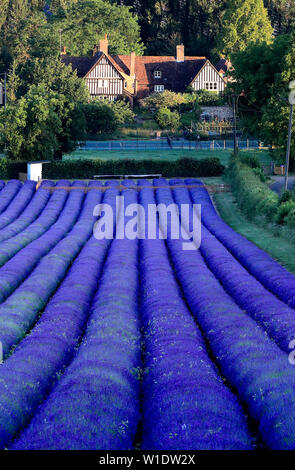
(34,171)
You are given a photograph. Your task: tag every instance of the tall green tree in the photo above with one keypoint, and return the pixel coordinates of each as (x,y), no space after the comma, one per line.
(282,14)
(165,23)
(26,32)
(30,128)
(276,113)
(84,22)
(70,90)
(255,72)
(244,22)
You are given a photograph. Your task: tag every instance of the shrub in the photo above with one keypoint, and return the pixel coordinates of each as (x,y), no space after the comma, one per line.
(253,195)
(208,98)
(284,210)
(290,218)
(250,160)
(168,119)
(286,196)
(167,99)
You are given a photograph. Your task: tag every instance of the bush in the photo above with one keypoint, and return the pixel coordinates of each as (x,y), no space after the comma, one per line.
(253,195)
(168,119)
(290,219)
(167,99)
(286,196)
(86,169)
(250,160)
(104,117)
(189,117)
(284,211)
(208,98)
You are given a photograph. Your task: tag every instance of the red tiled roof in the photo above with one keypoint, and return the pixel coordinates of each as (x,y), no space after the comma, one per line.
(175,75)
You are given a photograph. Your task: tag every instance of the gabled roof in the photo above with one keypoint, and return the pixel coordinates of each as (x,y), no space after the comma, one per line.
(81,64)
(177,74)
(223,65)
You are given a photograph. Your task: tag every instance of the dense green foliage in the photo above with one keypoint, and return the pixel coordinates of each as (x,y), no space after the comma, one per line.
(84,23)
(254,197)
(104,117)
(89,168)
(198,24)
(262,74)
(32,32)
(86,169)
(168,119)
(277,240)
(26,30)
(244,22)
(62,95)
(172,110)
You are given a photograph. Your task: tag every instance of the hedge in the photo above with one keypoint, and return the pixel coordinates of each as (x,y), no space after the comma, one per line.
(254,197)
(10,170)
(88,168)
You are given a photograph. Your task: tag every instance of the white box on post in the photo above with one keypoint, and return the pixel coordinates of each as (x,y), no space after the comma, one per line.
(34,170)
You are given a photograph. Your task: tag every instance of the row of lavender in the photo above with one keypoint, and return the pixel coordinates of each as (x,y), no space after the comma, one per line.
(248,358)
(78,379)
(95,404)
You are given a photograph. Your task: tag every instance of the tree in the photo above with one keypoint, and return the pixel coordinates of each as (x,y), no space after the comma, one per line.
(244,22)
(282,14)
(168,99)
(100,118)
(166,23)
(276,112)
(30,128)
(85,22)
(104,117)
(25,32)
(55,77)
(168,119)
(254,74)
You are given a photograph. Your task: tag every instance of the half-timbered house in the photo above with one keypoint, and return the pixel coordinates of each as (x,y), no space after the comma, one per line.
(116,76)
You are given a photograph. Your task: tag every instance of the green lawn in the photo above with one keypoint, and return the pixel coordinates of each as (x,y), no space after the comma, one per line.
(277,246)
(170,155)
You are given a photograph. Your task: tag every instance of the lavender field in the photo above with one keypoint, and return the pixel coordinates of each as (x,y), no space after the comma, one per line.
(121,344)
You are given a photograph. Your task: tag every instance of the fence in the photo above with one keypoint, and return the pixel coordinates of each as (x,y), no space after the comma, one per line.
(163,144)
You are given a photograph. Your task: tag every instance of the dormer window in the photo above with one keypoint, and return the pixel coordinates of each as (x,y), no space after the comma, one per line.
(157,74)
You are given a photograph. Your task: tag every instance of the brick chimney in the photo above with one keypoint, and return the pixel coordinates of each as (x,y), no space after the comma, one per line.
(180,53)
(132,64)
(104,45)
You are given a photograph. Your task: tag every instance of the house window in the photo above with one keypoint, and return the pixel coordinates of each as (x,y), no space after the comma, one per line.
(103,83)
(125,84)
(211,86)
(157,74)
(159,88)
